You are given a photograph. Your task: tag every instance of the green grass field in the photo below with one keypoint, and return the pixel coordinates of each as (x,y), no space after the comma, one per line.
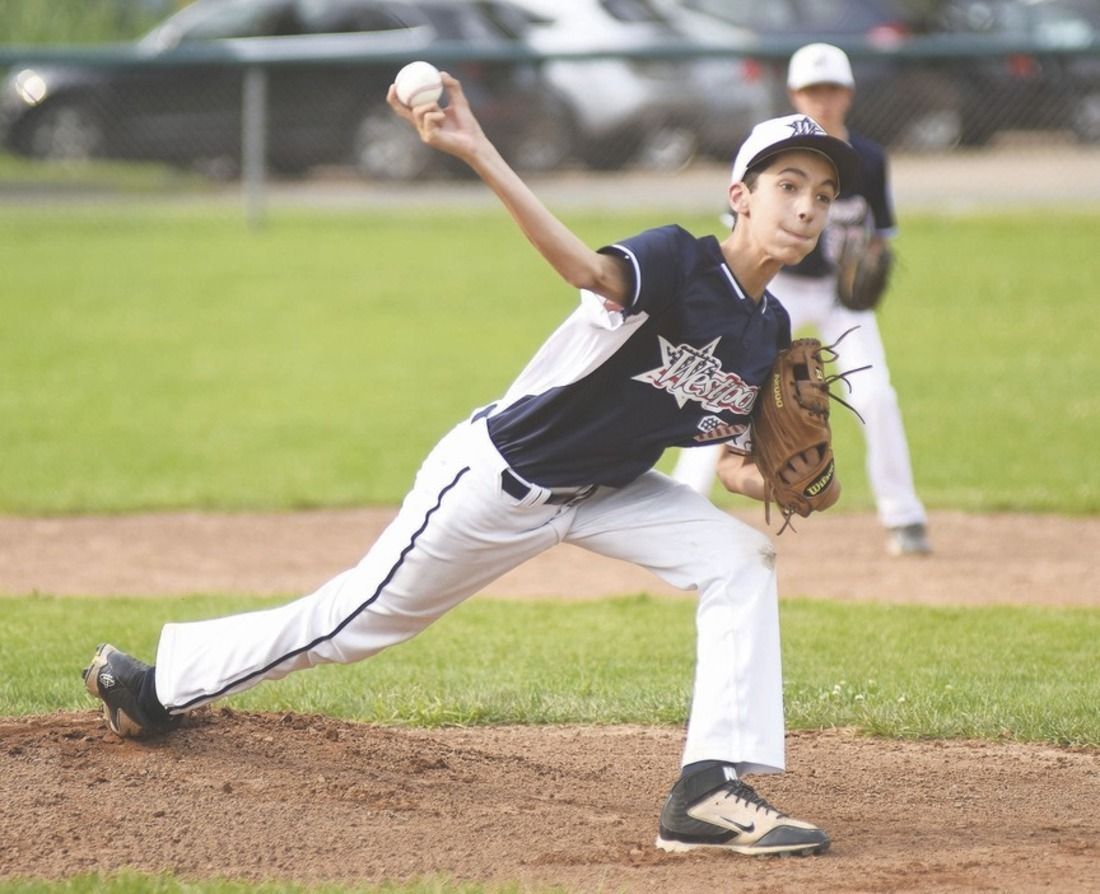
(156,359)
(900,671)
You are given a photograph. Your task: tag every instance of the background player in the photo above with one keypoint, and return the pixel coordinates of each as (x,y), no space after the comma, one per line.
(820,84)
(672,338)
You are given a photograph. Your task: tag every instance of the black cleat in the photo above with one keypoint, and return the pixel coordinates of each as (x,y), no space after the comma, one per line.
(116,679)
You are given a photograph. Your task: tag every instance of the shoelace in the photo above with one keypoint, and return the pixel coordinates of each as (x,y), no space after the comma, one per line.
(832,355)
(743,792)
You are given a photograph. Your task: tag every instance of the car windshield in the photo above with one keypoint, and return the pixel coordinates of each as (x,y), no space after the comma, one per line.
(512,21)
(773,16)
(800,16)
(350,16)
(846,15)
(458,21)
(227,19)
(633,11)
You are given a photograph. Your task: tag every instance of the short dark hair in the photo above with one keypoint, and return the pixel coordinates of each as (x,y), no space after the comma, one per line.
(752,176)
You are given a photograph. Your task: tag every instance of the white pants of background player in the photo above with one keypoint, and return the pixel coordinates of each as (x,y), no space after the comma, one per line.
(812,301)
(457,531)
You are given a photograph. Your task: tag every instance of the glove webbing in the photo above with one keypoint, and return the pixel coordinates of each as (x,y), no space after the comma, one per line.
(842,376)
(832,357)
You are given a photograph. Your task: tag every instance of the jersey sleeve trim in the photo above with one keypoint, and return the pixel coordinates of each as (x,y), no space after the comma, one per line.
(636,269)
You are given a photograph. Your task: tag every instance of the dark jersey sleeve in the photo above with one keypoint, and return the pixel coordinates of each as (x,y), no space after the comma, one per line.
(657,259)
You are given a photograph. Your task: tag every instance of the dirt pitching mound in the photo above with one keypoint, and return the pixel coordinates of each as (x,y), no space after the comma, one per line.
(311,799)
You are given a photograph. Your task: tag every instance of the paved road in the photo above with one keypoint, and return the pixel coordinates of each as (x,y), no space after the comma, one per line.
(1027,176)
(1037,174)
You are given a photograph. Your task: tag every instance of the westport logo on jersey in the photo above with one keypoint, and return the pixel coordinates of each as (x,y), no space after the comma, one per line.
(689,373)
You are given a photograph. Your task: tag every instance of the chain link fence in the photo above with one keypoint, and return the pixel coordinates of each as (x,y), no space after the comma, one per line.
(293,107)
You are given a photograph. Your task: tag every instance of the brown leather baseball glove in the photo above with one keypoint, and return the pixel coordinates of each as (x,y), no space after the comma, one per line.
(791,438)
(863,266)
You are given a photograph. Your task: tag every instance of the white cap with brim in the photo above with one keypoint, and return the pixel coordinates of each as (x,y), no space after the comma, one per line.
(819,63)
(777,135)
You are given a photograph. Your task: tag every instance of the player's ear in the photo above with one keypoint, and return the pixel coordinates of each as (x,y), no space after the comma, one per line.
(739,198)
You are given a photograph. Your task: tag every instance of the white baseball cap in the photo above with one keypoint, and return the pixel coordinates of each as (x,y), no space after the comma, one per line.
(777,135)
(819,63)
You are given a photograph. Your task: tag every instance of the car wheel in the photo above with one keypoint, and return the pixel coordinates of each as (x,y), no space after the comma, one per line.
(1086,118)
(68,131)
(667,147)
(932,130)
(545,143)
(384,147)
(930,120)
(540,150)
(611,152)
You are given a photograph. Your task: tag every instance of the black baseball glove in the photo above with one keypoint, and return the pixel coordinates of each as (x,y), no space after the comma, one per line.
(863,265)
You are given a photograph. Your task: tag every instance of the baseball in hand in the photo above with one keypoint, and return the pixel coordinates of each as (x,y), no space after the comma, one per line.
(418,83)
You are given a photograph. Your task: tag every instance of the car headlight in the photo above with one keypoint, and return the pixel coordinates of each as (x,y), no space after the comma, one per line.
(28,86)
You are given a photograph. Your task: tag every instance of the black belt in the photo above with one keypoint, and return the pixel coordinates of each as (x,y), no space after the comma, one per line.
(559,496)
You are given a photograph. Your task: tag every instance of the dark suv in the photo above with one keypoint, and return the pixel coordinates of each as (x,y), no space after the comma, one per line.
(1041,90)
(318,113)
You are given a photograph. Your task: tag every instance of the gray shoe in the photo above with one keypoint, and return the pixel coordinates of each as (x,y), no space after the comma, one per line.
(710,810)
(909,540)
(115,678)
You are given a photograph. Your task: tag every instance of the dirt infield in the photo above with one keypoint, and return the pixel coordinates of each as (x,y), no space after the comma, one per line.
(979,559)
(312,799)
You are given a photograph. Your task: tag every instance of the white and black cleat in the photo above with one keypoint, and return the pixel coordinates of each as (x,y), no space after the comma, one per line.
(712,809)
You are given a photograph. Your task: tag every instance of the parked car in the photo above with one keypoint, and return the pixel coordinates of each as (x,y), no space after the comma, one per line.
(738,90)
(904,105)
(318,113)
(652,112)
(1027,91)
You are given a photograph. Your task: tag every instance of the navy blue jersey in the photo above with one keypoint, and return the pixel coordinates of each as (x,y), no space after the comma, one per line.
(867,203)
(680,366)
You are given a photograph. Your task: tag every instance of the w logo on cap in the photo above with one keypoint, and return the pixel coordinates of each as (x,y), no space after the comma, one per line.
(805,127)
(793,132)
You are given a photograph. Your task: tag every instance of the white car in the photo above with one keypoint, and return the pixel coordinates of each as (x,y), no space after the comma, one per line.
(738,89)
(653,112)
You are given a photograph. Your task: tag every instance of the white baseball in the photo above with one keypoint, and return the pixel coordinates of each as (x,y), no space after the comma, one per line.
(418,83)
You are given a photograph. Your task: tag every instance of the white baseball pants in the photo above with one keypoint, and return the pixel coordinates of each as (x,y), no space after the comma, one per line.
(812,301)
(457,531)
